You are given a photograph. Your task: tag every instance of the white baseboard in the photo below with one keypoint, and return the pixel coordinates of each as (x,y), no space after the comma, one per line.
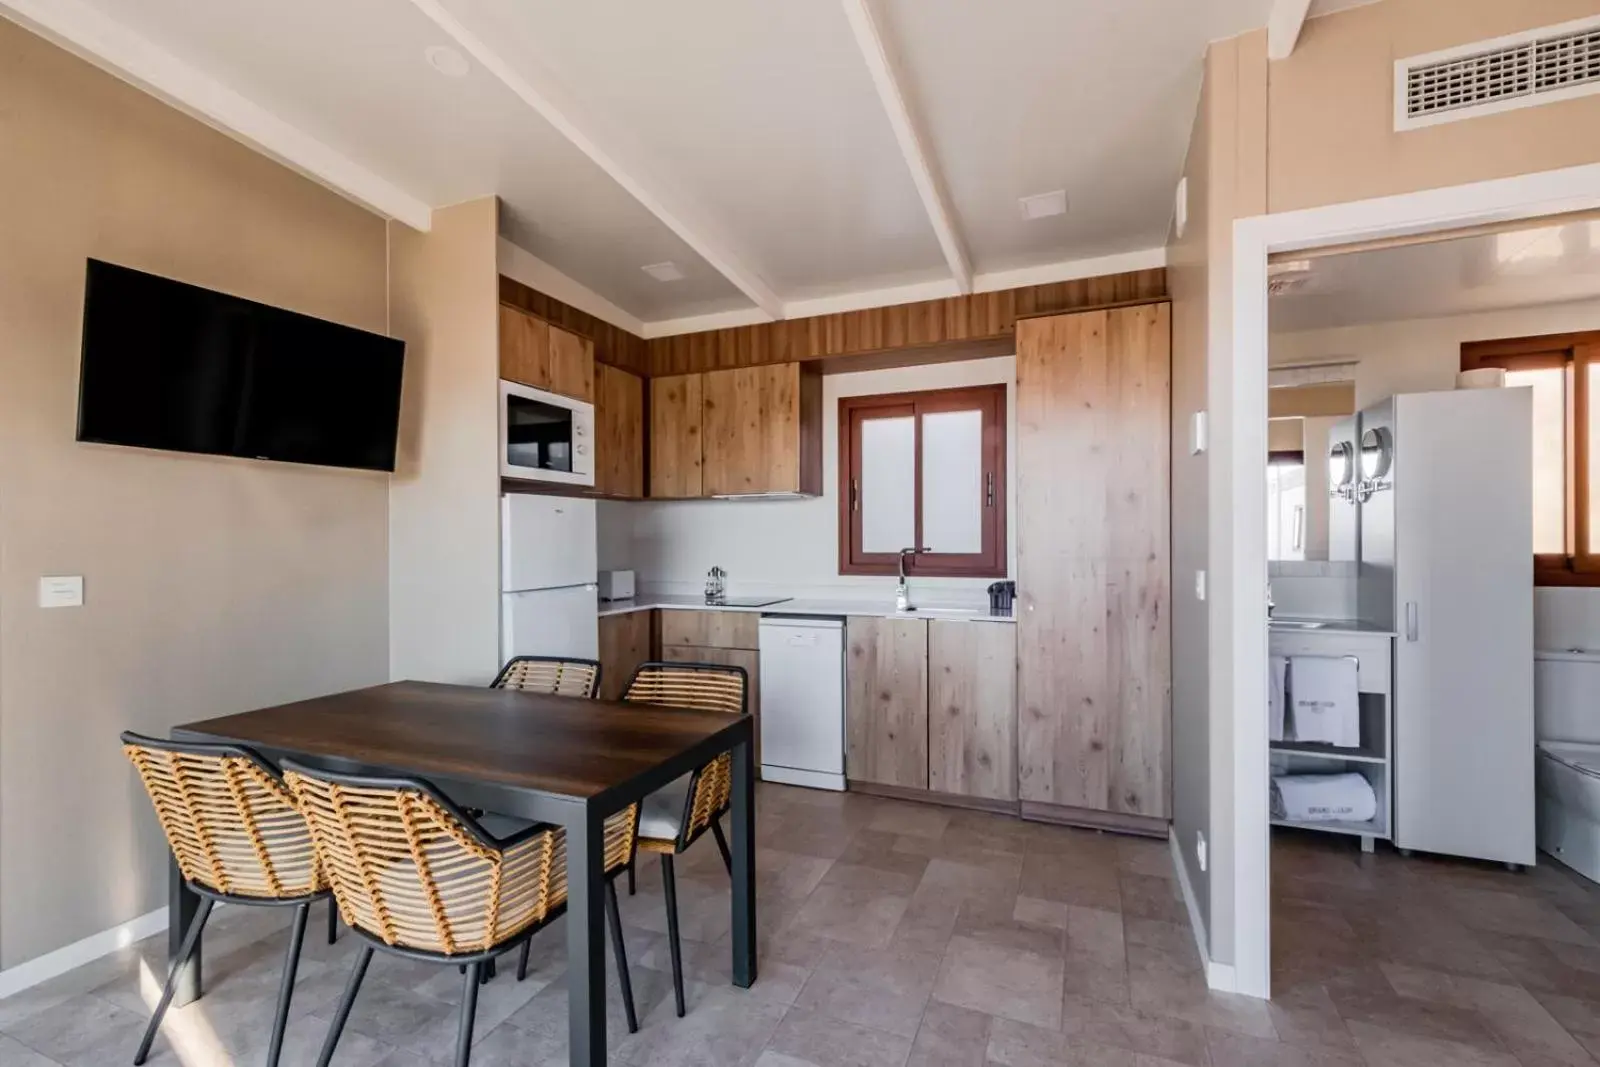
(43,968)
(1219,976)
(811,779)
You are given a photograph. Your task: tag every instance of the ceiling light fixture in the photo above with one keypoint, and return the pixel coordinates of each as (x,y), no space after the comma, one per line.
(1044,205)
(446,60)
(666,271)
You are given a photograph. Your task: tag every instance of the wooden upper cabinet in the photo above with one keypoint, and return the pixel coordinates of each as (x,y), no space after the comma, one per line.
(619,432)
(675,452)
(1094,645)
(537,354)
(762,430)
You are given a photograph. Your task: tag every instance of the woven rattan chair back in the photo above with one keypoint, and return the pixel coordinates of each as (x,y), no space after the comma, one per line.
(233,826)
(544,674)
(408,868)
(705,687)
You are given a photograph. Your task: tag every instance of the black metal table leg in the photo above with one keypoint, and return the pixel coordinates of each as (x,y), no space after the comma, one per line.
(586,941)
(744,866)
(182,905)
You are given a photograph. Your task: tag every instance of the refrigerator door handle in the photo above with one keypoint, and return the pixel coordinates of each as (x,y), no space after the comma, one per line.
(1411,620)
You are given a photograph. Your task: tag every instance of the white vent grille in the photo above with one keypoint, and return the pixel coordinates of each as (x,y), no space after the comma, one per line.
(1541,66)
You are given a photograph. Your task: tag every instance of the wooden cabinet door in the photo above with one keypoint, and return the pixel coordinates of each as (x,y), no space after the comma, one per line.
(625,642)
(1093,582)
(752,429)
(972,709)
(619,432)
(524,348)
(886,701)
(712,629)
(571,364)
(675,447)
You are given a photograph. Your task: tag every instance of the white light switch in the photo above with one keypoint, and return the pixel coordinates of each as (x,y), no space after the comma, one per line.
(61,591)
(1197,433)
(1199,585)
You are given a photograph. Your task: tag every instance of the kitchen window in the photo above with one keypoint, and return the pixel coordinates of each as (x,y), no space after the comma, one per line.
(924,470)
(1563,371)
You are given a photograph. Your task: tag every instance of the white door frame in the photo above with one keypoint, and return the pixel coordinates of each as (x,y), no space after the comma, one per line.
(1241,495)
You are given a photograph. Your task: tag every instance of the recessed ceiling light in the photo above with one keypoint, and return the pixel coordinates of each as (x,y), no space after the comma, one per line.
(446,60)
(1044,205)
(667,271)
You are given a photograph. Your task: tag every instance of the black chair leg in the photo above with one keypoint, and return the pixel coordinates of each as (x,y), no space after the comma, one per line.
(333,921)
(469,1011)
(614,919)
(722,846)
(487,972)
(669,884)
(291,964)
(191,938)
(631,886)
(522,959)
(351,988)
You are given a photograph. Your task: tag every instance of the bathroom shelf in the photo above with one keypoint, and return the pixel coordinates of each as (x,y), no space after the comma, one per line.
(1340,755)
(1373,829)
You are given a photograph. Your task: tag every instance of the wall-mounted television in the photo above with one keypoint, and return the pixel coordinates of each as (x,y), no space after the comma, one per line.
(173,366)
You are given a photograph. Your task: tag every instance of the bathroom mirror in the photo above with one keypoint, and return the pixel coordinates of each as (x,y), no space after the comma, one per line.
(1303,463)
(1377,453)
(1341,465)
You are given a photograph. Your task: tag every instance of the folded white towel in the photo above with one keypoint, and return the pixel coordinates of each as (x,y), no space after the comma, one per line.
(1324,704)
(1323,798)
(1277,670)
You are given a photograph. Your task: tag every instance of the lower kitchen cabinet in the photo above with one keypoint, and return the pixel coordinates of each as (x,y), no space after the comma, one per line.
(886,701)
(625,642)
(749,659)
(726,638)
(972,709)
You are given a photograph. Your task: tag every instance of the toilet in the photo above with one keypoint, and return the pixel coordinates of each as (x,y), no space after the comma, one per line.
(1566,710)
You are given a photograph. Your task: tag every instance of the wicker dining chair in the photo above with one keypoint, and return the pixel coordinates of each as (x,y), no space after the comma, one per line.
(564,676)
(677,815)
(237,836)
(415,876)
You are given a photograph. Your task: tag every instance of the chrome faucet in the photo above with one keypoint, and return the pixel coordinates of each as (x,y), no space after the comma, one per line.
(902,592)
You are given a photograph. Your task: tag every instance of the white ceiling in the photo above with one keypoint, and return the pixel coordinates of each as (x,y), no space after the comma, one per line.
(1549,264)
(744,140)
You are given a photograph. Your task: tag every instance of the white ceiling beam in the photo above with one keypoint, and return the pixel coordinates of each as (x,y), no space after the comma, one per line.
(113,47)
(930,187)
(1283,26)
(556,107)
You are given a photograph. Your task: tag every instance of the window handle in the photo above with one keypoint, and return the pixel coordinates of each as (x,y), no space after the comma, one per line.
(988,498)
(855,495)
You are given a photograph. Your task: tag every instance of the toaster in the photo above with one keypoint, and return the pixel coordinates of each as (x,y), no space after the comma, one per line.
(616,585)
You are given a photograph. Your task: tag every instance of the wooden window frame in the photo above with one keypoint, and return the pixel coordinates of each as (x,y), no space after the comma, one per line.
(1580,564)
(853,410)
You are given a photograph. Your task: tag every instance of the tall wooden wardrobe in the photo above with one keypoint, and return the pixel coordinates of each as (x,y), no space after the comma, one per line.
(1094,645)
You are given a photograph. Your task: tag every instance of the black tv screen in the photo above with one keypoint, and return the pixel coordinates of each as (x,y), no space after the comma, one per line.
(174,366)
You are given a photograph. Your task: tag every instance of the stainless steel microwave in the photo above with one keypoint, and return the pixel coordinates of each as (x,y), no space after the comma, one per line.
(544,436)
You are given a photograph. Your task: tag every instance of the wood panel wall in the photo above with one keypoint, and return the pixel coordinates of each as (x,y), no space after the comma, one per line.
(612,344)
(930,324)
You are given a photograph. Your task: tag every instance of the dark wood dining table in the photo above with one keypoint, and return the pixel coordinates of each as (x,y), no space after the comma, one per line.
(561,760)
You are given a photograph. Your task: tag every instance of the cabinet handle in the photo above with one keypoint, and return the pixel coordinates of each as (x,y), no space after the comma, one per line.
(1411,620)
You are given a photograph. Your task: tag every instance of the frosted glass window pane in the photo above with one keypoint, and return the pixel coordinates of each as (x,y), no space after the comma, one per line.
(952,481)
(1549,456)
(888,484)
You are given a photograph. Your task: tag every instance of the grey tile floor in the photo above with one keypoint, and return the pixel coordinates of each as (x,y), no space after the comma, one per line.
(900,935)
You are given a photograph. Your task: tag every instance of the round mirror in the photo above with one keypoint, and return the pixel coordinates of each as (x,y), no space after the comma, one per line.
(1376,453)
(1341,465)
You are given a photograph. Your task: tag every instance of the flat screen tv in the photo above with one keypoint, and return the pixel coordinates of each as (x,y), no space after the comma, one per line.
(174,366)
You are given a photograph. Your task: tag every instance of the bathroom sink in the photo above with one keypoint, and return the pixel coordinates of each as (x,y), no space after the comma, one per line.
(1296,624)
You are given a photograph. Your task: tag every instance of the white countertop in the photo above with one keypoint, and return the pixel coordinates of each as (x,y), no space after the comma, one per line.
(804,606)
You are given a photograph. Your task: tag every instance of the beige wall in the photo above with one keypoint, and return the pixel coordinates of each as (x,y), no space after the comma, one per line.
(444,525)
(1226,171)
(1332,111)
(212,585)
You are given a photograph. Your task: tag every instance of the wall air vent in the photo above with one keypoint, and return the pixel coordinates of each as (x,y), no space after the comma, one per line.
(1525,70)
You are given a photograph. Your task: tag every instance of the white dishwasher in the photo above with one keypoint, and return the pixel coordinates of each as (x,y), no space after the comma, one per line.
(802,701)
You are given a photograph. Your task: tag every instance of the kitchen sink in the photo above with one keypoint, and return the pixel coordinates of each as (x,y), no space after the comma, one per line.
(934,613)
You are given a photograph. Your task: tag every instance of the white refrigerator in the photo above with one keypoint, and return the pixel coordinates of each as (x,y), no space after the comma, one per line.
(548,579)
(1447,563)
